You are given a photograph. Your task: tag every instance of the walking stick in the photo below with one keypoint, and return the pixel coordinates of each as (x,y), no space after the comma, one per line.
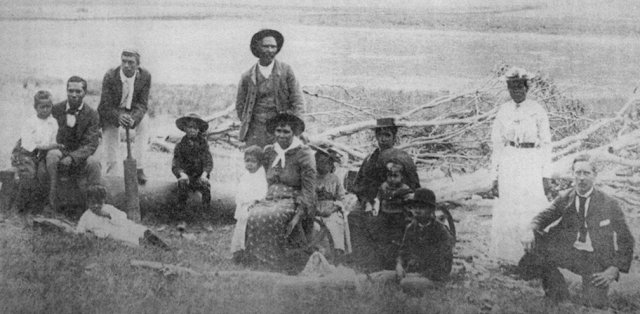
(131,184)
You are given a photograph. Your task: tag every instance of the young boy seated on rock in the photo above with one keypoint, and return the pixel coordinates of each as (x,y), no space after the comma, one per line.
(393,192)
(37,136)
(427,244)
(251,188)
(192,161)
(106,221)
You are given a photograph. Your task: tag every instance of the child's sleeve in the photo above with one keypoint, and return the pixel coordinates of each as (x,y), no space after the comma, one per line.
(27,136)
(177,163)
(208,160)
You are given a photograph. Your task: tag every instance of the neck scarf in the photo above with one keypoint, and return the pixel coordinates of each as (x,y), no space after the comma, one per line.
(127,89)
(72,113)
(281,152)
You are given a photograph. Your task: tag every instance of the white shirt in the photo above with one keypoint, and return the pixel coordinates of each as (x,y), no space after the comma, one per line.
(266,70)
(127,89)
(118,227)
(252,187)
(71,118)
(523,123)
(38,132)
(586,245)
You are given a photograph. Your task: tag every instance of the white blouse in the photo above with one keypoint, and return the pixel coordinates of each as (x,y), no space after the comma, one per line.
(38,132)
(526,122)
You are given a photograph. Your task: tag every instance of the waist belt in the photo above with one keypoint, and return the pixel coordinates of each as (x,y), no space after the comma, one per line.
(522,145)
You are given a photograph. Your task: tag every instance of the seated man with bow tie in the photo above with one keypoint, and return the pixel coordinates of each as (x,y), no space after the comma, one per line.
(79,133)
(587,234)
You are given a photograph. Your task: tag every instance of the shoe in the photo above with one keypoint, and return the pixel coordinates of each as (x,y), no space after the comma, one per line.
(142,178)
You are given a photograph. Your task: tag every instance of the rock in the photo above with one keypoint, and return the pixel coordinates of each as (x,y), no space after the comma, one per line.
(416,286)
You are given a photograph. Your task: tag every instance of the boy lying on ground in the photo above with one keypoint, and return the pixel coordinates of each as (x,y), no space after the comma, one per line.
(106,221)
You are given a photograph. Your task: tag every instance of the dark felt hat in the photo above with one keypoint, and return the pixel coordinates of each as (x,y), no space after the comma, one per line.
(388,122)
(423,198)
(297,125)
(257,37)
(182,121)
(326,150)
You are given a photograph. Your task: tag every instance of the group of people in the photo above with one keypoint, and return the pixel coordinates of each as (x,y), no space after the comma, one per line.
(583,230)
(289,185)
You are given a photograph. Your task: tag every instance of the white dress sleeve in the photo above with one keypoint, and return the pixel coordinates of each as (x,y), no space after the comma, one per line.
(497,140)
(544,136)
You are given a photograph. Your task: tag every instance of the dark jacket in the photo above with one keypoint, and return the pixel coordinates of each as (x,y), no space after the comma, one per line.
(82,140)
(610,237)
(109,107)
(288,94)
(299,173)
(192,156)
(373,173)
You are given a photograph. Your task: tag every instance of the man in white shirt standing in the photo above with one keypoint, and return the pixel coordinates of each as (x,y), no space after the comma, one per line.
(123,103)
(590,238)
(269,88)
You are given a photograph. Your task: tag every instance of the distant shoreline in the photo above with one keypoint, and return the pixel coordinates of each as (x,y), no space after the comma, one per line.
(525,18)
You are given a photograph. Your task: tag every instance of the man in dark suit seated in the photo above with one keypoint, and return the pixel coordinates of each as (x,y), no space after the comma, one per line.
(79,134)
(587,234)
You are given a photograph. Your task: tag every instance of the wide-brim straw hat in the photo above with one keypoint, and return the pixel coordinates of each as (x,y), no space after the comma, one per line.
(257,37)
(297,125)
(422,198)
(517,74)
(182,122)
(333,154)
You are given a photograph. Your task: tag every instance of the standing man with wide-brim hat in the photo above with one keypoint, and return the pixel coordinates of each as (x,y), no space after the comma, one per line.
(267,89)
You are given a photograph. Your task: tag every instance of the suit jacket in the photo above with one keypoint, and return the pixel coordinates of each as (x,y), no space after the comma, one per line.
(288,94)
(109,107)
(82,140)
(610,237)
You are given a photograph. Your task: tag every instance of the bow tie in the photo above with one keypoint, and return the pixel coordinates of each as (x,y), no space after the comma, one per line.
(73,111)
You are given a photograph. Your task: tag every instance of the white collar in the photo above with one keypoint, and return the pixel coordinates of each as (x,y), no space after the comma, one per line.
(586,195)
(79,108)
(266,70)
(124,78)
(281,152)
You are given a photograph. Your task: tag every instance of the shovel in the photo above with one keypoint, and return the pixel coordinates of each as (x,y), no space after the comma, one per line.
(131,184)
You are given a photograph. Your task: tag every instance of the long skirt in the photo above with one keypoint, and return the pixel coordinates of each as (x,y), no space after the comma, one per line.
(521,198)
(266,244)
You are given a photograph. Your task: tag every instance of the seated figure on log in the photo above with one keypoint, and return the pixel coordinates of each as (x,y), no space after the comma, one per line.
(428,241)
(330,209)
(106,221)
(192,161)
(37,137)
(79,136)
(251,189)
(591,239)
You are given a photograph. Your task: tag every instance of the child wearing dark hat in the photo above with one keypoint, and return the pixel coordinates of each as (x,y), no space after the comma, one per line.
(192,160)
(105,221)
(427,243)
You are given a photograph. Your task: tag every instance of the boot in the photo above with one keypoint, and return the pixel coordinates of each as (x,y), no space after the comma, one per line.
(152,239)
(142,178)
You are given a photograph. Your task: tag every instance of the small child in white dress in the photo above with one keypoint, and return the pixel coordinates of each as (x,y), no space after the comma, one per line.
(106,221)
(251,188)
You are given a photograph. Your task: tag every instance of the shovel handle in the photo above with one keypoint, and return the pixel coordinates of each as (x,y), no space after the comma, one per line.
(128,142)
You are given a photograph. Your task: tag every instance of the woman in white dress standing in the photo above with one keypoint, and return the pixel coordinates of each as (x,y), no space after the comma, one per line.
(521,157)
